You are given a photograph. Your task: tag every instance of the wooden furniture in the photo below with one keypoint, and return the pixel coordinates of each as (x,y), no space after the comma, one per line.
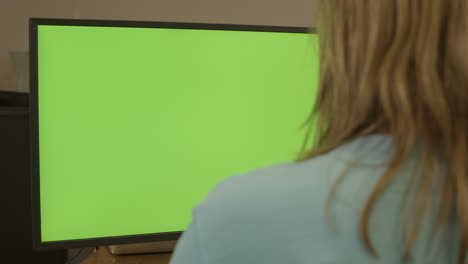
(15,198)
(103,256)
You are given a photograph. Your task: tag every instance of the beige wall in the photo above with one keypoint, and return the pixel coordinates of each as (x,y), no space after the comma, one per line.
(14,16)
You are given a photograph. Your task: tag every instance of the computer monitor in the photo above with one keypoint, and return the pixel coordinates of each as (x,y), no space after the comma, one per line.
(134,123)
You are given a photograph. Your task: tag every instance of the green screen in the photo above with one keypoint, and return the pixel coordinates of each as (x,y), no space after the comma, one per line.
(137,125)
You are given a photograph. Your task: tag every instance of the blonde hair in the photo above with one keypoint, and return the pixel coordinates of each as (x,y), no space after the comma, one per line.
(392,66)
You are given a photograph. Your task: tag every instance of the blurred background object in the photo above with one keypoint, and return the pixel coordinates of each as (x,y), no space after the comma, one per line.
(21,64)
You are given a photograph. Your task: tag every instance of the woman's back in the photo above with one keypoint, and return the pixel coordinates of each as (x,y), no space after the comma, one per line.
(277,214)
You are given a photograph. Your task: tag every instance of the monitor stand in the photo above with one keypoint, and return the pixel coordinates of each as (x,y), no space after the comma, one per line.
(144,248)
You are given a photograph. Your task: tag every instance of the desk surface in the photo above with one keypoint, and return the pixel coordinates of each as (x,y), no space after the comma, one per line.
(103,256)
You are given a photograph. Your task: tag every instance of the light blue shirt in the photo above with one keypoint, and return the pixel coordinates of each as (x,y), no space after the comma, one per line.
(277,215)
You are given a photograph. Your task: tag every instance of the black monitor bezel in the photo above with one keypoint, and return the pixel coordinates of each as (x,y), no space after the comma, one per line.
(34,23)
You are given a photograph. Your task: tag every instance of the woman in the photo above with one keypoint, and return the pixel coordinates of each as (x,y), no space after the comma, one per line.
(387,178)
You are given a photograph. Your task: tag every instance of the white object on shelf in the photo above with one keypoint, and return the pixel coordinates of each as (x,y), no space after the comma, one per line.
(21,63)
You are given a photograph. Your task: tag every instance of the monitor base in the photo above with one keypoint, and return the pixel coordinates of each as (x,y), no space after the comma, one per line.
(142,248)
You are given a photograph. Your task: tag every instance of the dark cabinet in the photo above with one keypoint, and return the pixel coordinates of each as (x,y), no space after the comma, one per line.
(15,197)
